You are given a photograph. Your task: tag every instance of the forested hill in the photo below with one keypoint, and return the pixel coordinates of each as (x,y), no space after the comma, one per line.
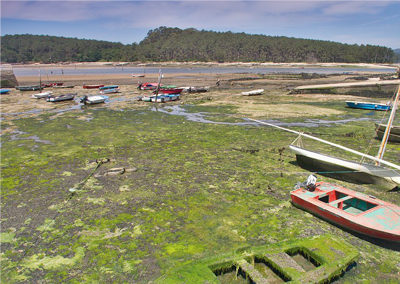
(174,44)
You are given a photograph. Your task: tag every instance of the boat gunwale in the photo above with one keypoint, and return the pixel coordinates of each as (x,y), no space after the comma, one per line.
(338,213)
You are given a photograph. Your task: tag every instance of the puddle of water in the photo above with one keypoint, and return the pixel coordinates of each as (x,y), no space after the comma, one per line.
(16,133)
(202,117)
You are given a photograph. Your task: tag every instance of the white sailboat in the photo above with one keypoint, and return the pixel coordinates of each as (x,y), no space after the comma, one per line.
(349,170)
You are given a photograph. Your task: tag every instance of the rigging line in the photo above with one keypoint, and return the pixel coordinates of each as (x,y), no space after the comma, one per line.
(330,143)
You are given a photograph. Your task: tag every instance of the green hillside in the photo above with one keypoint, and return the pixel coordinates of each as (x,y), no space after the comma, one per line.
(174,44)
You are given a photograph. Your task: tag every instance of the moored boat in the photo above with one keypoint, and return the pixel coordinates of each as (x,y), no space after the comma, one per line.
(92,86)
(351,210)
(160,99)
(90,100)
(394,135)
(253,93)
(170,91)
(147,86)
(109,87)
(42,95)
(351,171)
(64,87)
(4,91)
(28,88)
(368,106)
(109,91)
(60,98)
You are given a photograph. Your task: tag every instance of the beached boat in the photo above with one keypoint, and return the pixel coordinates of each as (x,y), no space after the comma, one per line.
(394,135)
(138,75)
(60,98)
(48,85)
(353,171)
(90,100)
(92,86)
(4,91)
(147,98)
(253,93)
(42,95)
(351,210)
(64,87)
(161,99)
(369,106)
(147,86)
(169,91)
(109,87)
(109,91)
(196,89)
(28,88)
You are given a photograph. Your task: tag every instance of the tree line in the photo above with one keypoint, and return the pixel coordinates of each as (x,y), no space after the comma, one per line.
(174,44)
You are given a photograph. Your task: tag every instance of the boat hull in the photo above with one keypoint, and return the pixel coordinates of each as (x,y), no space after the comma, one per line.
(338,218)
(345,170)
(394,135)
(341,222)
(92,86)
(368,106)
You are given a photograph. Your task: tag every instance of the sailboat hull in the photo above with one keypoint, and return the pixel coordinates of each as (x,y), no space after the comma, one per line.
(345,170)
(394,135)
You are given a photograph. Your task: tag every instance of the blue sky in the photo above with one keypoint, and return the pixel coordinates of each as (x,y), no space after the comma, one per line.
(351,21)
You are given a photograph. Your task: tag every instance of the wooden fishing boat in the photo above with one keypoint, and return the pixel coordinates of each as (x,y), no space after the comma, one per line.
(64,87)
(170,91)
(42,95)
(92,86)
(394,135)
(197,89)
(147,86)
(147,98)
(351,210)
(369,106)
(253,93)
(161,99)
(60,98)
(109,91)
(109,87)
(4,91)
(90,100)
(28,88)
(48,85)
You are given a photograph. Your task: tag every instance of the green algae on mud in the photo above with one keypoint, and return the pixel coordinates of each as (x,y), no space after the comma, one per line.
(194,195)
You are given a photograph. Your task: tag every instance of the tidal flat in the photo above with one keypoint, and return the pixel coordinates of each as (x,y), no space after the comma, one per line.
(189,190)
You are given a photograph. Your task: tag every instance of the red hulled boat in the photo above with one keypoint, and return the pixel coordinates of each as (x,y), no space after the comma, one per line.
(92,86)
(170,91)
(352,210)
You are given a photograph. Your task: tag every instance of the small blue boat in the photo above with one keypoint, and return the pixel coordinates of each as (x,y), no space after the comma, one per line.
(109,87)
(4,91)
(370,106)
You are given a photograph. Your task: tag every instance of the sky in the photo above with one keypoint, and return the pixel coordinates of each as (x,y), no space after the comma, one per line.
(350,21)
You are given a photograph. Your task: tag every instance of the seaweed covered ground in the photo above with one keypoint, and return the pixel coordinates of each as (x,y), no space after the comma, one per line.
(126,191)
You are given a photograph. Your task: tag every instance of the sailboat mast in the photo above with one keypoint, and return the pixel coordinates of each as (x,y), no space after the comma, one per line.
(388,126)
(158,84)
